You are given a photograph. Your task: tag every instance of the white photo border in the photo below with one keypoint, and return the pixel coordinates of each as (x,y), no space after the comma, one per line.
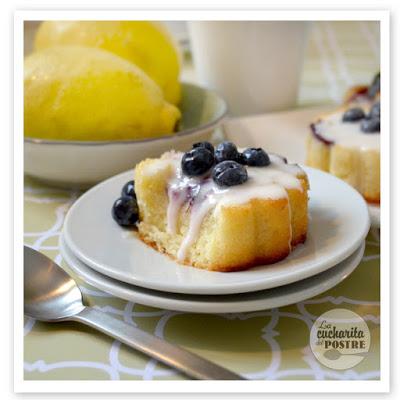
(376,386)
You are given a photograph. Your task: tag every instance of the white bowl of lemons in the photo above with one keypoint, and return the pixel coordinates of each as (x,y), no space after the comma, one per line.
(80,164)
(100,96)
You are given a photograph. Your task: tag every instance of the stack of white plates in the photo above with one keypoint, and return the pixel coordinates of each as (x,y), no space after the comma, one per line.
(116,261)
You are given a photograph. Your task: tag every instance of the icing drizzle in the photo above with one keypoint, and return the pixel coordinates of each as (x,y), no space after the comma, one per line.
(332,130)
(201,195)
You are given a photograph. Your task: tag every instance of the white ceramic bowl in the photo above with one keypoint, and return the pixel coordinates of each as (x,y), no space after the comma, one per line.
(84,163)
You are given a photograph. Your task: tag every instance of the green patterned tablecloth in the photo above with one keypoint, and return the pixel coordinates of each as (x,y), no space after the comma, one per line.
(270,344)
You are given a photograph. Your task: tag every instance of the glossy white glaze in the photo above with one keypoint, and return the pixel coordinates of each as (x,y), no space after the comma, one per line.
(347,134)
(201,195)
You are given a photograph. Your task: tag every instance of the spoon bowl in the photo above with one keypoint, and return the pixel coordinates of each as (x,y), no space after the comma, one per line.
(50,293)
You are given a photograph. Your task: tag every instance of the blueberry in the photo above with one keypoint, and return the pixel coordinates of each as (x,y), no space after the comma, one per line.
(353,114)
(375,86)
(241,159)
(129,189)
(226,151)
(206,145)
(256,157)
(125,211)
(375,110)
(197,161)
(229,173)
(371,125)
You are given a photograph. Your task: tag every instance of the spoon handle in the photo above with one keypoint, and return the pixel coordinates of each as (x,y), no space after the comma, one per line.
(172,355)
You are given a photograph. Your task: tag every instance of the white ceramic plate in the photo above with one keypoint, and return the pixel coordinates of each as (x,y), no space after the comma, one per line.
(339,222)
(375,215)
(244,302)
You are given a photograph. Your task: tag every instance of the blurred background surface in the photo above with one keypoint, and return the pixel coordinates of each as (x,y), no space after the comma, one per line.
(338,54)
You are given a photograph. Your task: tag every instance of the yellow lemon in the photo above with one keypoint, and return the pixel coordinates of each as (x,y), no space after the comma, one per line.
(84,93)
(146,44)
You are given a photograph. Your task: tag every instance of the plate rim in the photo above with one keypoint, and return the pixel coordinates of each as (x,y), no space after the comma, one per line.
(374,215)
(220,289)
(184,305)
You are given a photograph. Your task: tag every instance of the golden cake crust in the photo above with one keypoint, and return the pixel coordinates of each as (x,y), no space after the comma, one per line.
(237,237)
(273,258)
(358,167)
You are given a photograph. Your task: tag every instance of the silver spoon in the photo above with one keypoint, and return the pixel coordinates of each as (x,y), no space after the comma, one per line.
(51,295)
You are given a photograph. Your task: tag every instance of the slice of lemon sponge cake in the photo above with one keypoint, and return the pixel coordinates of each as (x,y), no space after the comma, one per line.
(222,210)
(346,142)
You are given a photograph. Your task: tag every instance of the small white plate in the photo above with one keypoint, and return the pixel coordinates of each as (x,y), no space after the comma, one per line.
(244,302)
(339,222)
(375,215)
